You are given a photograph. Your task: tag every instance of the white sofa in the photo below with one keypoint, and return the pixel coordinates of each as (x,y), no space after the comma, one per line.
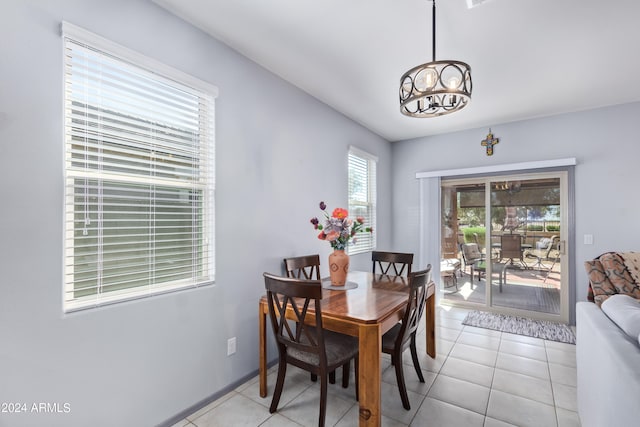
(608,367)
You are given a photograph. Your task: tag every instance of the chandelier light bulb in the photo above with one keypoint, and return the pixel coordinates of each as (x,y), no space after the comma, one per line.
(429,79)
(453,83)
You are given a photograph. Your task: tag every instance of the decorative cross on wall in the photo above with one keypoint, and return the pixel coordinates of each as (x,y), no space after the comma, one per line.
(489,142)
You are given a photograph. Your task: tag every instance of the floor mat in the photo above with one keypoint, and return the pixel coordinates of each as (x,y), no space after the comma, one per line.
(521,325)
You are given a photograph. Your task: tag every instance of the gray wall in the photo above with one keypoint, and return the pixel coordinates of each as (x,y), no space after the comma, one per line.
(278,153)
(605,142)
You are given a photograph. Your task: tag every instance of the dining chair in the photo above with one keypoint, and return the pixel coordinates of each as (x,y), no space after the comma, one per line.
(308,347)
(392,263)
(308,267)
(303,267)
(403,334)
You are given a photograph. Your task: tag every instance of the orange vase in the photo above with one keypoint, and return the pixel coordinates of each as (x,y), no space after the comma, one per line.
(338,267)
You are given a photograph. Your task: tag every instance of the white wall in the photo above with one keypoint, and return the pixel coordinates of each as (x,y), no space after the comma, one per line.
(279,152)
(605,142)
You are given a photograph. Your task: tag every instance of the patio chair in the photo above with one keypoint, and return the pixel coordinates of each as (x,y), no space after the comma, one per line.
(449,268)
(542,255)
(470,254)
(511,248)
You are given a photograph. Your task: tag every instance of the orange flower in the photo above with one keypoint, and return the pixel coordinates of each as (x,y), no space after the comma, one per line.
(340,213)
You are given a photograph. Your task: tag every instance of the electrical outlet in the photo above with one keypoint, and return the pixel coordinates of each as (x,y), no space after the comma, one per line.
(231,346)
(588,239)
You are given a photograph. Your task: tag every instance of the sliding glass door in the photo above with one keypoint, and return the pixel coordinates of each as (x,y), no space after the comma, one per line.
(503,244)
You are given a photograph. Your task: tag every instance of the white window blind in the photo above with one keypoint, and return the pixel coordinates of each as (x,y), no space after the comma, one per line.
(139,175)
(362,197)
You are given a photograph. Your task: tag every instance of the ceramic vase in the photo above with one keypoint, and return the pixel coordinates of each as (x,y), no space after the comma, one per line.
(338,267)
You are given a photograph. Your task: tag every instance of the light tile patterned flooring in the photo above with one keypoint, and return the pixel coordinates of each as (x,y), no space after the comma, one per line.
(479,378)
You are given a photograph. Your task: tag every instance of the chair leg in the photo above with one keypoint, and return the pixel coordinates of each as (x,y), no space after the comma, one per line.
(414,356)
(346,370)
(400,379)
(323,400)
(282,371)
(332,377)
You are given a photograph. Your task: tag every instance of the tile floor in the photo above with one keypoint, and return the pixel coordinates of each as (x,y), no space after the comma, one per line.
(479,378)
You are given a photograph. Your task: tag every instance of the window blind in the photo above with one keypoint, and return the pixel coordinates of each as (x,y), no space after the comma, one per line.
(362,197)
(139,176)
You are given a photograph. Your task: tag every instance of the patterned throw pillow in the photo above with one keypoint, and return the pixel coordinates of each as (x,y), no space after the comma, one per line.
(617,273)
(599,285)
(632,262)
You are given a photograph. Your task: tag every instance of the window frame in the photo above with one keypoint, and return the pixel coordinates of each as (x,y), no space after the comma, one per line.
(370,204)
(203,162)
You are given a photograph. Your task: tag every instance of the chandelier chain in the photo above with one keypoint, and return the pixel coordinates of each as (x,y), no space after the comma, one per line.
(433,27)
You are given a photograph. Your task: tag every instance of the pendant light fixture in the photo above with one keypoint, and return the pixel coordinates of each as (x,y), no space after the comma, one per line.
(435,88)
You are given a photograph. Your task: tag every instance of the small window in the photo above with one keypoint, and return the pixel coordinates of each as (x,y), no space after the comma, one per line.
(139,177)
(362,197)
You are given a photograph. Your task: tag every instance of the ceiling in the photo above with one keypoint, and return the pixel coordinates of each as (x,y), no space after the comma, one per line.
(529,58)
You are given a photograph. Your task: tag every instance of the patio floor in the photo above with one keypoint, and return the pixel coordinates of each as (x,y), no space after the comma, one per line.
(524,289)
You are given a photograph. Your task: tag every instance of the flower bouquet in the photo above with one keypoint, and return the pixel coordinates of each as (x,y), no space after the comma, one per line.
(339,231)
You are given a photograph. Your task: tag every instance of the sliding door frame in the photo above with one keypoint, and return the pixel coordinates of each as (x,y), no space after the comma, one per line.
(430,227)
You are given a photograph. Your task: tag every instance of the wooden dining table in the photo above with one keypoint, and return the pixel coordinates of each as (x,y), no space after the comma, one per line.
(366,311)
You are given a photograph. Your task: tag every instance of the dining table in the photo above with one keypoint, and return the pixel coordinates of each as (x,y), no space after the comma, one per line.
(366,307)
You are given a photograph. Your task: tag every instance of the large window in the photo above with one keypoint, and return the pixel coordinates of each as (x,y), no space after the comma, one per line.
(139,175)
(362,197)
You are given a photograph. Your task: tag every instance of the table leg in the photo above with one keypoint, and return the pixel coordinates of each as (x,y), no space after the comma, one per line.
(430,318)
(262,326)
(369,377)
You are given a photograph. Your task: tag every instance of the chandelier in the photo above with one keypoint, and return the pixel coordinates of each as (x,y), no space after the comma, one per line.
(435,88)
(510,187)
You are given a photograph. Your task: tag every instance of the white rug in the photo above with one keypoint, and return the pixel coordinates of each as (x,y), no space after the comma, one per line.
(521,325)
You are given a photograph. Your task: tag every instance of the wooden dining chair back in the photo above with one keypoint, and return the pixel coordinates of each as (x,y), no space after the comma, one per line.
(308,267)
(511,247)
(403,335)
(305,345)
(392,263)
(303,267)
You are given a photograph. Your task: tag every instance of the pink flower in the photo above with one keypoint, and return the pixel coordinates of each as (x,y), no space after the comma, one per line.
(332,235)
(360,220)
(322,236)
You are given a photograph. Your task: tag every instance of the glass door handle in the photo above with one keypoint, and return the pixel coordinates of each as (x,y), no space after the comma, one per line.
(561,247)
